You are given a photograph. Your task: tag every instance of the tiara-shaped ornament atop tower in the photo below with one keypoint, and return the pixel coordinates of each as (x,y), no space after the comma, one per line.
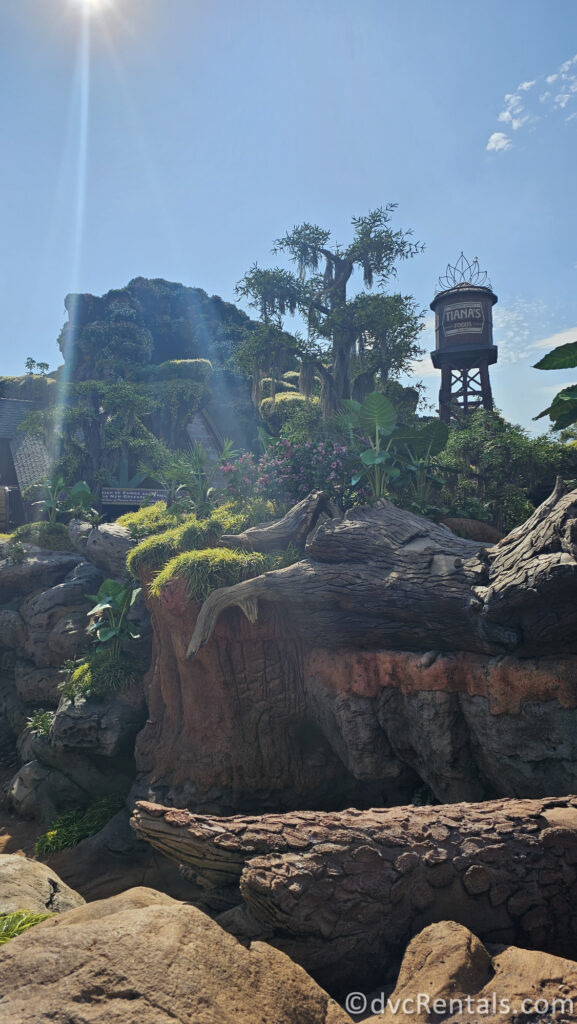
(462,273)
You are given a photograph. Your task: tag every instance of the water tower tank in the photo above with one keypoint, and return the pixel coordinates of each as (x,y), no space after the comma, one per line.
(464,347)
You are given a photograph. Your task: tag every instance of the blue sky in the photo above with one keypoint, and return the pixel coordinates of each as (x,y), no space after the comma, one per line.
(179,138)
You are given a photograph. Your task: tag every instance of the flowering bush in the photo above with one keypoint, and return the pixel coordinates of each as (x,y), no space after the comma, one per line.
(289,470)
(241,476)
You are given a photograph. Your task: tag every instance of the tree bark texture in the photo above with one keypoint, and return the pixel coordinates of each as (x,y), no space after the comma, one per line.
(381,577)
(344,892)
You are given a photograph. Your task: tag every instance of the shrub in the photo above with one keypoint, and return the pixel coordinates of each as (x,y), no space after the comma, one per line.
(70,828)
(103,671)
(276,414)
(288,471)
(181,369)
(193,533)
(51,536)
(18,922)
(280,386)
(151,519)
(40,722)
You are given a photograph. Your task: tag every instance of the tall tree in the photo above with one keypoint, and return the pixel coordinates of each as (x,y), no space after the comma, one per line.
(347,330)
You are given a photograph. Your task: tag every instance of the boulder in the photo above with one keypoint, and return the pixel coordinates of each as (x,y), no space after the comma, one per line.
(107,546)
(40,570)
(457,978)
(60,780)
(12,711)
(56,618)
(142,956)
(37,686)
(104,725)
(12,628)
(28,885)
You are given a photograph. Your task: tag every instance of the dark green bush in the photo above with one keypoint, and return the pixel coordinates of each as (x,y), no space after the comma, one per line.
(70,828)
(51,536)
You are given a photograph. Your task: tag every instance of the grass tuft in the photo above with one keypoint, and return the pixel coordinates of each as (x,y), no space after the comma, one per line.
(17,922)
(70,828)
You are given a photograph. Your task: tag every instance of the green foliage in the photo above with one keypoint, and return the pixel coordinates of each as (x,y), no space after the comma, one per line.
(495,472)
(102,671)
(276,414)
(563,409)
(70,828)
(279,387)
(373,420)
(561,358)
(14,552)
(40,722)
(17,922)
(205,571)
(51,536)
(191,474)
(155,551)
(368,334)
(304,423)
(181,369)
(151,519)
(108,618)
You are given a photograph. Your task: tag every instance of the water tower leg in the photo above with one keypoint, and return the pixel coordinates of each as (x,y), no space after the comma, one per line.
(487,395)
(445,395)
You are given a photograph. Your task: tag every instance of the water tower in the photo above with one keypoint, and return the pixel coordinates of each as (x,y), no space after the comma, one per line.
(464,347)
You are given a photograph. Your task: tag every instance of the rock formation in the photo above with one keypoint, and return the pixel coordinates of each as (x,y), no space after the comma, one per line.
(394,656)
(27,885)
(343,893)
(446,965)
(145,957)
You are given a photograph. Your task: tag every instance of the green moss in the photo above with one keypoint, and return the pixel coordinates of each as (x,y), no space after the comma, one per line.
(154,552)
(17,922)
(194,534)
(151,519)
(51,536)
(70,828)
(206,570)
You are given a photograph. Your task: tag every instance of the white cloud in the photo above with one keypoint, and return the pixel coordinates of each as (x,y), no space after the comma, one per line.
(515,113)
(554,340)
(514,326)
(571,116)
(499,141)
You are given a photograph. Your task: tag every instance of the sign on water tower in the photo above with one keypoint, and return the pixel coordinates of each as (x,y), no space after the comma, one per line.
(464,347)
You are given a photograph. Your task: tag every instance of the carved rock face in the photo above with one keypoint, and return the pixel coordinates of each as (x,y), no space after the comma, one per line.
(257,720)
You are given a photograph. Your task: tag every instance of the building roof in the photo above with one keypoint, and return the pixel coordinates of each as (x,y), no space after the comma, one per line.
(12,412)
(31,458)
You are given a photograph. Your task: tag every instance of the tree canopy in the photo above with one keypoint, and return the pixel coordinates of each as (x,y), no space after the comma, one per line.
(353,342)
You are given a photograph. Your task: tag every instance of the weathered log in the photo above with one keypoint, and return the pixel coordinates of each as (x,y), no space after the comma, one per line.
(343,893)
(381,577)
(293,529)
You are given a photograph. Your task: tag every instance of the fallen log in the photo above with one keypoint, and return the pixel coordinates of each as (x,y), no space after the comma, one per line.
(381,577)
(343,893)
(293,529)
